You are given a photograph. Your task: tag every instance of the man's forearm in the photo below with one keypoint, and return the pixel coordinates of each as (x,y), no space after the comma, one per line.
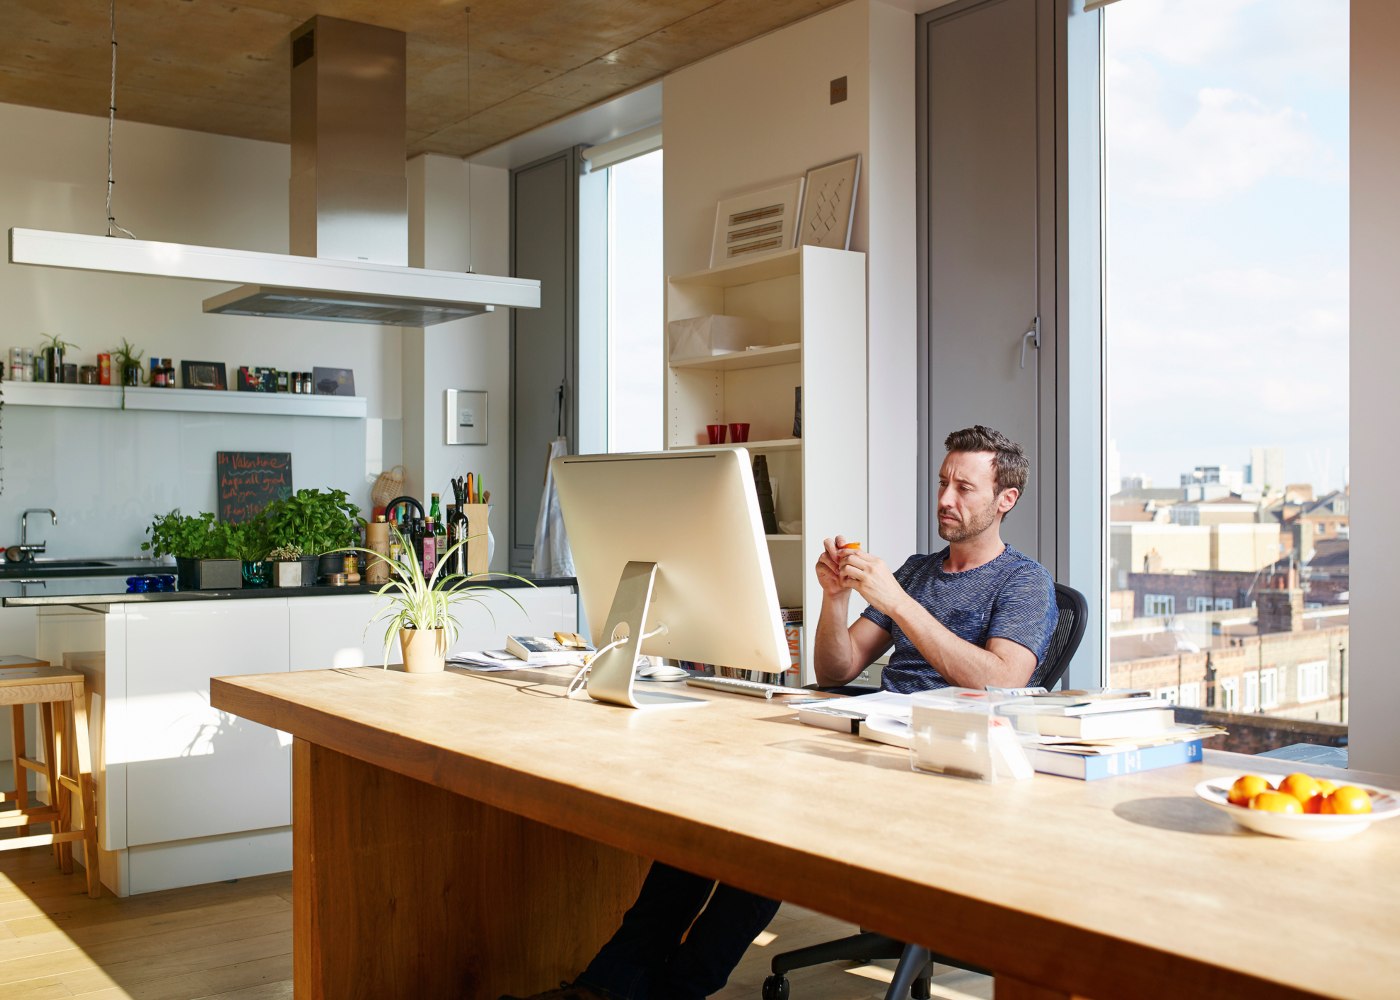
(833,657)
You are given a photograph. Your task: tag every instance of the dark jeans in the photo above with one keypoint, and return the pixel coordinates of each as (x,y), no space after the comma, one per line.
(647,960)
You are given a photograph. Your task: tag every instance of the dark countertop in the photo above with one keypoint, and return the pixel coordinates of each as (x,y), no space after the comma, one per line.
(98,590)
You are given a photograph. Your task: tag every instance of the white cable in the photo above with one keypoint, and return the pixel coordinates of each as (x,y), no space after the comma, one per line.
(581,677)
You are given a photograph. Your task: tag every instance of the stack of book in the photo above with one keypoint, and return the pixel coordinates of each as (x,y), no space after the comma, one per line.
(1099,734)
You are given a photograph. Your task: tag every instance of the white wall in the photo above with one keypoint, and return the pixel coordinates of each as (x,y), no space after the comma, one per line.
(1375,406)
(459,218)
(758,114)
(107,473)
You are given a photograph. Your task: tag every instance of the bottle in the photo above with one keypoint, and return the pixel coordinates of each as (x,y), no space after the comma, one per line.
(461,532)
(439,538)
(434,511)
(429,561)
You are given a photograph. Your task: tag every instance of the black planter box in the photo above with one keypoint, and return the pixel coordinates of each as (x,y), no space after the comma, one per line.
(209,574)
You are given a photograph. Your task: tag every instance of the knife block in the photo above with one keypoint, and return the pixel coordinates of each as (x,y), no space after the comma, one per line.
(478,543)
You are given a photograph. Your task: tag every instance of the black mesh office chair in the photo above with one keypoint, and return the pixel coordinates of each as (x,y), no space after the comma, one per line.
(915,969)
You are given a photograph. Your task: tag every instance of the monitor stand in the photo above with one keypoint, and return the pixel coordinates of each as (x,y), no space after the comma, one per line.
(610,677)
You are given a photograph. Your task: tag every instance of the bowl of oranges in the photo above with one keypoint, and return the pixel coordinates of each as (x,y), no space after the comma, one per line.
(1299,805)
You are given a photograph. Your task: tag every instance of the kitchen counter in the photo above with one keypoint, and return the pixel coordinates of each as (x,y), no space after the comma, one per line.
(89,591)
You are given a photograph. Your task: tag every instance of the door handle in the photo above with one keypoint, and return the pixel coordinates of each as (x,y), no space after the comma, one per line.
(1033,336)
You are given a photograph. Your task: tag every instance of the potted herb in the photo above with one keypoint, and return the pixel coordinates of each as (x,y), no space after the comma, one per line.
(204,548)
(54,349)
(322,523)
(128,362)
(420,609)
(286,563)
(249,542)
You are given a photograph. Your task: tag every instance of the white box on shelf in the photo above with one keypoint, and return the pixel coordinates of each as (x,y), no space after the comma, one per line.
(706,336)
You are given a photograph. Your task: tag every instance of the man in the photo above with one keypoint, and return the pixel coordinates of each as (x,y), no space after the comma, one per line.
(977,613)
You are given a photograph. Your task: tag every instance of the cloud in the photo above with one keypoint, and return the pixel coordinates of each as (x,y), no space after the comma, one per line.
(1229,144)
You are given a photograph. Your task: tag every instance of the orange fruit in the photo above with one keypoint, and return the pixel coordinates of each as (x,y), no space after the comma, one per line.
(1347,801)
(1299,785)
(1247,786)
(1324,789)
(1277,802)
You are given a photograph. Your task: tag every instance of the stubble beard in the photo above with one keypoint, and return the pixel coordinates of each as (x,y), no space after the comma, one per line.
(962,531)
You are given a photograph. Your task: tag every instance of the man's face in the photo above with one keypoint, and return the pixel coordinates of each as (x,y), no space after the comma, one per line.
(968,500)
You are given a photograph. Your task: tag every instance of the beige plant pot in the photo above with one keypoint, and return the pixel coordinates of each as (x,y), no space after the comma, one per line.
(424,650)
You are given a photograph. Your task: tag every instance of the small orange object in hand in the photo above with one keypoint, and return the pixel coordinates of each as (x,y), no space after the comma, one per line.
(853,546)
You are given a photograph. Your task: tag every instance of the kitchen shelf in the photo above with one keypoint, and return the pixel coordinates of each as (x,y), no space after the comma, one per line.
(109,397)
(733,361)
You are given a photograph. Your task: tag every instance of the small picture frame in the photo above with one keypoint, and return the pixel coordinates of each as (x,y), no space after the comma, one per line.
(333,381)
(829,204)
(756,224)
(203,375)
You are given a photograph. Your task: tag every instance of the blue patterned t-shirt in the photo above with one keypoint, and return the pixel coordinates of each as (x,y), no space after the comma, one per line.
(1012,597)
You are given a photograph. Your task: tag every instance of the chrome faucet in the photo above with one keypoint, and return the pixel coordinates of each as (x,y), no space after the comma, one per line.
(26,550)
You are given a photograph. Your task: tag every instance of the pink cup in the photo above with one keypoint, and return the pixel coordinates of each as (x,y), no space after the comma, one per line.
(716,432)
(738,433)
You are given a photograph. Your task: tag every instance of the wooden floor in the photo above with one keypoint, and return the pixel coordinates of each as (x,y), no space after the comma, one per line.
(233,941)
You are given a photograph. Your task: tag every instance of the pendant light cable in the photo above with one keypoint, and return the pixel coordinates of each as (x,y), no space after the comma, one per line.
(111,122)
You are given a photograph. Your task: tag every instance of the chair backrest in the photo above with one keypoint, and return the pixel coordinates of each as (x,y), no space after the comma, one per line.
(1069,631)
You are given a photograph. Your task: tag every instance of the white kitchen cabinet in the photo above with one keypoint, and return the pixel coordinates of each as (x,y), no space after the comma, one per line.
(810,306)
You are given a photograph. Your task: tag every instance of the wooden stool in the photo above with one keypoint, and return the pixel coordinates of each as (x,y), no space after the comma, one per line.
(67,763)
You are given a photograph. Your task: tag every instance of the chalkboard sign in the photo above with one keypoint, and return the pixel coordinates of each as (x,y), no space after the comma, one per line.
(250,480)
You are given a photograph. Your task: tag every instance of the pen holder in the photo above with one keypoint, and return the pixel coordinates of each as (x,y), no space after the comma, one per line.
(479,533)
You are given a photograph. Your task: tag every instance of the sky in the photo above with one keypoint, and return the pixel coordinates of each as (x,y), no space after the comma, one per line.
(1227,235)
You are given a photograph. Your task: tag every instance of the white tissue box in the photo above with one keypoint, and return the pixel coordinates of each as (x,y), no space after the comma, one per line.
(706,336)
(966,739)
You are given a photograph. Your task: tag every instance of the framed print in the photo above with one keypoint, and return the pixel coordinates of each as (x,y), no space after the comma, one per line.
(333,381)
(203,375)
(829,204)
(756,224)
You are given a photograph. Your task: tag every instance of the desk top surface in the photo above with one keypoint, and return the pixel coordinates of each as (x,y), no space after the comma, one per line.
(1126,886)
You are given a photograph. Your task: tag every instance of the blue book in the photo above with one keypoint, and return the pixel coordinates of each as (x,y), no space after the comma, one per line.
(1091,767)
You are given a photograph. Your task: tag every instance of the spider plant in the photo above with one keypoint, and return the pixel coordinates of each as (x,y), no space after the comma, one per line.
(419,601)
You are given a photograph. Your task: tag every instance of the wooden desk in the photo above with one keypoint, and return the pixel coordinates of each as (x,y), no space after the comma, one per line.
(460,835)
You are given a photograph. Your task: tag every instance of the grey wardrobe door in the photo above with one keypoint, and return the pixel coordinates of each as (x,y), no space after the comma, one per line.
(988,200)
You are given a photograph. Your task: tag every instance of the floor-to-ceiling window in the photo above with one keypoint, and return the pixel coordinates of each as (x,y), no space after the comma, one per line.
(1227,342)
(636,309)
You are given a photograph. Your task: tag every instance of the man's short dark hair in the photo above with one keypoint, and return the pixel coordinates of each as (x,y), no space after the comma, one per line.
(1009,462)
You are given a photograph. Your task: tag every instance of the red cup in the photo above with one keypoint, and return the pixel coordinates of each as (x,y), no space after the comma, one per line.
(716,432)
(738,433)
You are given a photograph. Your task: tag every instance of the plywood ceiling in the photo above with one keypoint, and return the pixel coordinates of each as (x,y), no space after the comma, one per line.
(222,66)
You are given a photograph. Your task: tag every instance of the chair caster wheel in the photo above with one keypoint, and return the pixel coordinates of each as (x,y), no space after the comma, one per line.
(776,987)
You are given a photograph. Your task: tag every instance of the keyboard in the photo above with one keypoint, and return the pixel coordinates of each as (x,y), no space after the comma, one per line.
(754,689)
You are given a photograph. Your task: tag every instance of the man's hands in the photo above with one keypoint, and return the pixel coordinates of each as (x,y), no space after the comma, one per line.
(840,569)
(829,566)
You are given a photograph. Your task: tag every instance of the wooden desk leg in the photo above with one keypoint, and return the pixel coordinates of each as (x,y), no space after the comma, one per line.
(400,889)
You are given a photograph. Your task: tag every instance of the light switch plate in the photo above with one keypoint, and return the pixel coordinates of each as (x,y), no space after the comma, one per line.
(464,416)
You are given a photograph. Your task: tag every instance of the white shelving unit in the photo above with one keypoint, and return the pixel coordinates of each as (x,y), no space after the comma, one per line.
(111,397)
(812,301)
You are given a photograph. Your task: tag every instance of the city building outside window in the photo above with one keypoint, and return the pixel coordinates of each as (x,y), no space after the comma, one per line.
(1312,680)
(1226,324)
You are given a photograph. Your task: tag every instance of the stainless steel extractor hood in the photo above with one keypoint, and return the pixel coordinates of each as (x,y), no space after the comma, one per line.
(349,208)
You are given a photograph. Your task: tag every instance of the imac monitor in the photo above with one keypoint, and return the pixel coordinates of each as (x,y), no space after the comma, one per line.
(671,543)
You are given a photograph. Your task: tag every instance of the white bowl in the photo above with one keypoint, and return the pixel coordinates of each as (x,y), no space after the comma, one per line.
(1300,826)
